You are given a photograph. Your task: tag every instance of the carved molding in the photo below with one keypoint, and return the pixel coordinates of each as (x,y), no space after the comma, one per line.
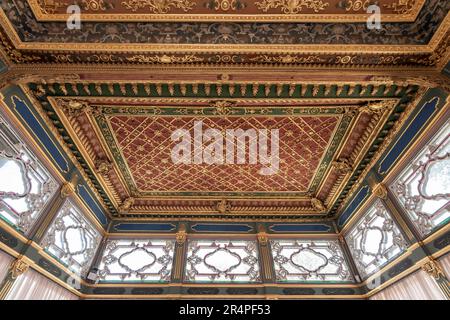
(318,205)
(126,205)
(103,167)
(223,206)
(342,165)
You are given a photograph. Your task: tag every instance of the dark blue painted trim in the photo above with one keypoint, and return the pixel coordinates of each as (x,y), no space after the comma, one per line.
(42,136)
(408,135)
(354,204)
(286,228)
(92,204)
(209,227)
(150,227)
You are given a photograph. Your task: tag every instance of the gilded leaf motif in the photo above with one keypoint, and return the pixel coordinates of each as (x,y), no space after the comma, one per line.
(158,6)
(292,6)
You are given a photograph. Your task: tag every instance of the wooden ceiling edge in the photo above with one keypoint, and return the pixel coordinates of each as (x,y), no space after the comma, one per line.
(430,47)
(230,219)
(42,16)
(92,72)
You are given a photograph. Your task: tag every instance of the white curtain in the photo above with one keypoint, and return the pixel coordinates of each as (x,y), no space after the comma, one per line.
(5,262)
(417,286)
(33,286)
(445,264)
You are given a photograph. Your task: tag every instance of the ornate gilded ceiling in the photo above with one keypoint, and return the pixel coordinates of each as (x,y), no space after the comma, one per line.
(120,133)
(114,91)
(414,33)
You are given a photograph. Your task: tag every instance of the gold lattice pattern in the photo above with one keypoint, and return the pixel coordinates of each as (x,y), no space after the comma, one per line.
(146,147)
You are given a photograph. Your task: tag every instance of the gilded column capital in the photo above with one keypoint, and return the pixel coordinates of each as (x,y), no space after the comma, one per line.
(432,267)
(68,188)
(263,237)
(18,267)
(181,235)
(380,191)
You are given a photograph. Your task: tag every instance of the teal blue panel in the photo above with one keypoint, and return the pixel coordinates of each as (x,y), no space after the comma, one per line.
(300,228)
(143,227)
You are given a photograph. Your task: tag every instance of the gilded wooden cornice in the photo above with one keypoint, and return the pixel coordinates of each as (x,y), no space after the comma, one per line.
(386,142)
(432,55)
(227,10)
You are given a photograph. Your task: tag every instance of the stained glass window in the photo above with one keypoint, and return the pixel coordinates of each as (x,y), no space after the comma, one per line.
(129,260)
(309,260)
(25,185)
(222,261)
(374,240)
(72,239)
(423,188)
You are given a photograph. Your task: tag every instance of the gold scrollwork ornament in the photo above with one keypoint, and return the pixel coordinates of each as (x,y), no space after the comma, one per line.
(318,204)
(126,205)
(223,206)
(94,5)
(224,5)
(342,165)
(103,167)
(158,6)
(432,268)
(357,5)
(380,191)
(222,107)
(292,6)
(401,6)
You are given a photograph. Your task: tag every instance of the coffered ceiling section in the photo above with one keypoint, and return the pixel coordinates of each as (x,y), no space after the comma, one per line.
(312,33)
(161,150)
